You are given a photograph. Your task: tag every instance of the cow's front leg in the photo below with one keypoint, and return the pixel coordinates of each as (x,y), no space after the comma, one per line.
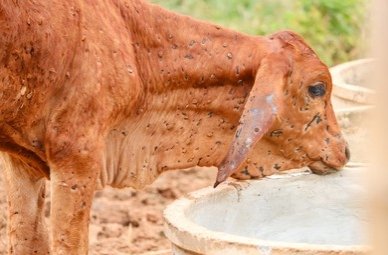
(27,233)
(73,180)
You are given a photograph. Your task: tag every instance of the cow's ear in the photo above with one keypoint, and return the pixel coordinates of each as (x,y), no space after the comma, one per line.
(259,113)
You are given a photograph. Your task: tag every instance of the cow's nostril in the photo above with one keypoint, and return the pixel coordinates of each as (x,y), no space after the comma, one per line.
(347,153)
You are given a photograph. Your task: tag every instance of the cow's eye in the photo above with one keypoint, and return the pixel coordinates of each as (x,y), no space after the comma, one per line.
(317,90)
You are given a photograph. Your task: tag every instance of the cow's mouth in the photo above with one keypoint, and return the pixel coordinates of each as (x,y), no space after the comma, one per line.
(321,168)
(329,165)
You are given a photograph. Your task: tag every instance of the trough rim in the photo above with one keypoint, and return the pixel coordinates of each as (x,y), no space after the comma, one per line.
(350,91)
(190,236)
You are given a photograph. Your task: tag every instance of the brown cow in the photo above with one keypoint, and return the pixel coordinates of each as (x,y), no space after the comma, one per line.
(114,92)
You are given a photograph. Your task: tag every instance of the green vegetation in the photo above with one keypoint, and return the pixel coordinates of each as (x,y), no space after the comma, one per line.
(334,28)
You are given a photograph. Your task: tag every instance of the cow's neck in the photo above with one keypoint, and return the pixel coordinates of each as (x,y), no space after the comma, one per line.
(196,79)
(176,51)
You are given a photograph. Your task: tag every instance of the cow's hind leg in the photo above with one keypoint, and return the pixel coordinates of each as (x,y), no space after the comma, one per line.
(27,233)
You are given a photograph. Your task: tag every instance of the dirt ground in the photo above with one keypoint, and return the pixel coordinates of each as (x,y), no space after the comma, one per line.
(130,222)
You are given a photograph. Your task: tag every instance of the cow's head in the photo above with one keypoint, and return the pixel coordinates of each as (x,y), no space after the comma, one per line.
(288,120)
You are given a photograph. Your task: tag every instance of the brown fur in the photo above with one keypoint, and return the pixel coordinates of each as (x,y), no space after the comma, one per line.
(115,92)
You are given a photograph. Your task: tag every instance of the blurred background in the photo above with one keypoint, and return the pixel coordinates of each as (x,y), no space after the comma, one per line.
(336,29)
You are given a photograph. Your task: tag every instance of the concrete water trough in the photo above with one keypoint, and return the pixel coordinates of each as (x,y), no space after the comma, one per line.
(352,94)
(352,99)
(289,214)
(298,213)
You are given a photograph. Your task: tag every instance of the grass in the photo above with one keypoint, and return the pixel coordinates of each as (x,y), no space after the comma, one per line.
(334,28)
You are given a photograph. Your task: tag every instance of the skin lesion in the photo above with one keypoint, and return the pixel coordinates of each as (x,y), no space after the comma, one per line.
(315,120)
